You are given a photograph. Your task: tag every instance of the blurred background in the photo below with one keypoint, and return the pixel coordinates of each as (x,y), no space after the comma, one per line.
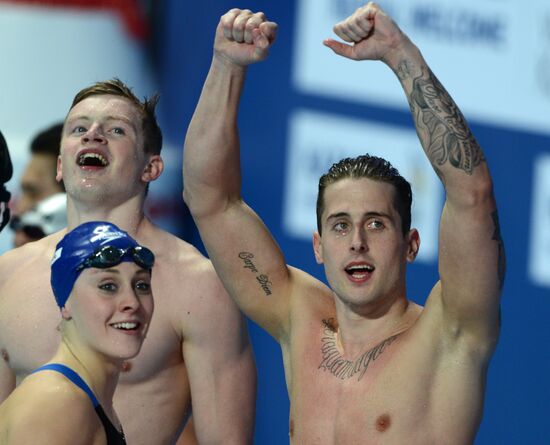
(305,108)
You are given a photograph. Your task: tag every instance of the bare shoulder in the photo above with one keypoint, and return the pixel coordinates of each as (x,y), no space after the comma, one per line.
(427,321)
(21,256)
(437,327)
(308,291)
(182,259)
(27,257)
(185,282)
(57,410)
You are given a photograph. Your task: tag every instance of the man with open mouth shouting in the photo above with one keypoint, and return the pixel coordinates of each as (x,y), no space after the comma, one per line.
(197,341)
(363,363)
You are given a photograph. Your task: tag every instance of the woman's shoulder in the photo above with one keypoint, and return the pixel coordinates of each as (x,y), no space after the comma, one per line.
(54,407)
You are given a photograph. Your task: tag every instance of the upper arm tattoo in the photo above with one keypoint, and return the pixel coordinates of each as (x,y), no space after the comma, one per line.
(262,279)
(440,125)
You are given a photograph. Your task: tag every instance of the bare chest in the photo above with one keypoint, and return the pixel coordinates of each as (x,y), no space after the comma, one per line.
(378,396)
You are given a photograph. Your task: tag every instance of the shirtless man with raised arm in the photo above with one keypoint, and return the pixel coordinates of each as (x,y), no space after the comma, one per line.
(197,346)
(363,364)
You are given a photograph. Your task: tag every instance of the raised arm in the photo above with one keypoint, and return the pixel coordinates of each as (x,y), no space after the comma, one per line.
(245,256)
(471,254)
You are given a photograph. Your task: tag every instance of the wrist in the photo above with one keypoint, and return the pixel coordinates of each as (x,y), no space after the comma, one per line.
(223,62)
(404,51)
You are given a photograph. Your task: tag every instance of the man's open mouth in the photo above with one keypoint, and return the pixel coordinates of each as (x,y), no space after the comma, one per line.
(91,159)
(359,270)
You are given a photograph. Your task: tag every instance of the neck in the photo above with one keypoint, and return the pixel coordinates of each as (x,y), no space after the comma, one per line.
(99,373)
(359,330)
(128,215)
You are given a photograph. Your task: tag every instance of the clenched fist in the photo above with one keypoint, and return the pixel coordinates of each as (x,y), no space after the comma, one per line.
(244,37)
(372,35)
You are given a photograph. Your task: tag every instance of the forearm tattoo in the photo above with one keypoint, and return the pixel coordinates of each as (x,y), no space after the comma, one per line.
(404,70)
(501,253)
(441,127)
(261,278)
(340,367)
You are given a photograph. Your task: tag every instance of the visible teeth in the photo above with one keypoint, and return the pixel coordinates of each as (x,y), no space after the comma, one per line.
(92,159)
(363,267)
(359,268)
(126,325)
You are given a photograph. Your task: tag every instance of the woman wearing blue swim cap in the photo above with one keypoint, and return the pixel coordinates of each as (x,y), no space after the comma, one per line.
(101,280)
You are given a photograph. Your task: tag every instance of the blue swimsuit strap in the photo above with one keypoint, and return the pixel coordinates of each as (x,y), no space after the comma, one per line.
(72,376)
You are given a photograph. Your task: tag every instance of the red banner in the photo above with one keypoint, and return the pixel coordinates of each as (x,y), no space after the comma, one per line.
(129,11)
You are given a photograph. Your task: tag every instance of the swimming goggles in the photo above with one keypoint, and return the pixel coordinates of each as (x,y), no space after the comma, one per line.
(110,256)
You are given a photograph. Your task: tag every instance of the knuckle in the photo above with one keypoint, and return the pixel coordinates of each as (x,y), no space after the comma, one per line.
(251,24)
(239,23)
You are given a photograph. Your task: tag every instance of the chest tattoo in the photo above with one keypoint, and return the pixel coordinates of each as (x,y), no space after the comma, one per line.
(342,368)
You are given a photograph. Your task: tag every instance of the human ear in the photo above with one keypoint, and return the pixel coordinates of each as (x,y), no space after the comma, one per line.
(318,247)
(59,175)
(153,169)
(413,243)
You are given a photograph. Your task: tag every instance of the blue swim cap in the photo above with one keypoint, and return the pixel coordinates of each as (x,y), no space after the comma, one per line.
(79,245)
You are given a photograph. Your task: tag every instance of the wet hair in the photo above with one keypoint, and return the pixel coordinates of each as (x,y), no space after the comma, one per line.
(48,143)
(371,167)
(152,135)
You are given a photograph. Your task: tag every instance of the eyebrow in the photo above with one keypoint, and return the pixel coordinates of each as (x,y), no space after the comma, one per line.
(84,117)
(141,273)
(367,214)
(337,215)
(98,270)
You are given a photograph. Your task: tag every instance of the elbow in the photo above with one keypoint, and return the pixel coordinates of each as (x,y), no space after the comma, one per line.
(207,202)
(188,200)
(193,203)
(197,207)
(477,194)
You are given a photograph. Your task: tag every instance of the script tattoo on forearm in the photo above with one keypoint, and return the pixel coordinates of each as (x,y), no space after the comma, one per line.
(501,253)
(440,124)
(261,278)
(340,367)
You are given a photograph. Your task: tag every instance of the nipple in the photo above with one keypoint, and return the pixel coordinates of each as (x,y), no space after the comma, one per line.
(383,422)
(126,366)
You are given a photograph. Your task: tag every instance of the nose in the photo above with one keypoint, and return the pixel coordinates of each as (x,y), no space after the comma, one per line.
(129,302)
(94,134)
(358,241)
